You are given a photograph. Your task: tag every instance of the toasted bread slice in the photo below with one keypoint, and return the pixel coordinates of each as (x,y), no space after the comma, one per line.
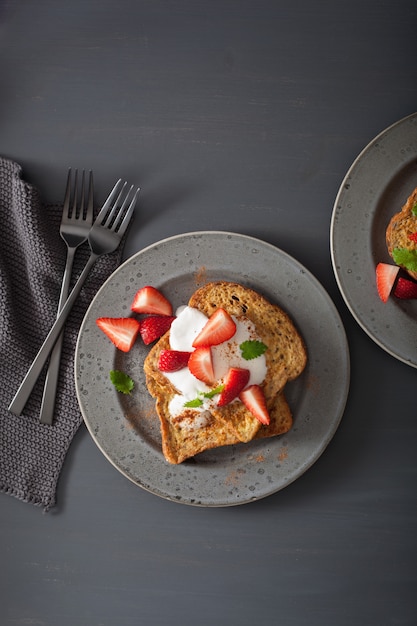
(400,227)
(191,433)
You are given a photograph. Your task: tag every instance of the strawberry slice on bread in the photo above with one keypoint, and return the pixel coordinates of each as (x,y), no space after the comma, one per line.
(253,398)
(235,381)
(200,365)
(173,360)
(219,328)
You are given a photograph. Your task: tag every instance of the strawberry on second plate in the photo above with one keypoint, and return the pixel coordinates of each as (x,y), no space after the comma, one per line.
(235,380)
(405,289)
(253,398)
(172,360)
(122,331)
(150,300)
(385,279)
(219,328)
(154,326)
(200,365)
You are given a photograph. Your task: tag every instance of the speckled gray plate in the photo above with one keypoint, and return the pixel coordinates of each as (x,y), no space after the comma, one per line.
(126,428)
(375,187)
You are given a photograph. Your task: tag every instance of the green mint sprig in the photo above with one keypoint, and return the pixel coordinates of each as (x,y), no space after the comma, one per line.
(122,382)
(251,349)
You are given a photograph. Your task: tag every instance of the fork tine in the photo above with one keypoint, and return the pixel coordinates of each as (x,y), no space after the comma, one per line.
(121,228)
(108,221)
(75,194)
(65,210)
(90,204)
(82,202)
(100,217)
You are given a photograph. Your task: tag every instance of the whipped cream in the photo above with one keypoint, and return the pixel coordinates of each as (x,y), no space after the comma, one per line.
(184,329)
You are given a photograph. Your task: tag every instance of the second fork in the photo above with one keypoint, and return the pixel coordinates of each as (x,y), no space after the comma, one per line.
(76,222)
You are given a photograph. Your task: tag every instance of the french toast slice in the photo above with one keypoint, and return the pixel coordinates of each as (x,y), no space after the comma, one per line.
(190,433)
(401,226)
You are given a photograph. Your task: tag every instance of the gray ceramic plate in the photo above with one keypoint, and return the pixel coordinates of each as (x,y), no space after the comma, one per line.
(375,187)
(126,428)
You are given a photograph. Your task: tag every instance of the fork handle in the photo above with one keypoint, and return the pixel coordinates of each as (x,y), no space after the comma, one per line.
(22,395)
(52,375)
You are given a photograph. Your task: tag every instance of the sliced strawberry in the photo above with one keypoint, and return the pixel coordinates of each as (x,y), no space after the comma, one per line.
(200,365)
(405,289)
(150,300)
(122,331)
(154,326)
(254,400)
(172,360)
(235,380)
(413,237)
(385,278)
(219,327)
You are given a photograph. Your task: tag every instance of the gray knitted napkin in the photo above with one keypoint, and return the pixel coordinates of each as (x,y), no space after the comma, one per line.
(32,260)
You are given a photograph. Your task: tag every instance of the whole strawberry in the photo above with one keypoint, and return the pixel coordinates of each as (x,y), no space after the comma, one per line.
(154,326)
(405,289)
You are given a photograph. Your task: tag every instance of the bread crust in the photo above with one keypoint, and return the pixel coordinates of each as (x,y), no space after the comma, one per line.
(401,225)
(286,358)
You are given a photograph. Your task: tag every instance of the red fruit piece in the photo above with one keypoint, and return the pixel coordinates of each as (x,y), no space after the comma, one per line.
(413,237)
(254,400)
(235,380)
(200,365)
(150,300)
(385,278)
(405,289)
(219,328)
(172,360)
(154,326)
(122,331)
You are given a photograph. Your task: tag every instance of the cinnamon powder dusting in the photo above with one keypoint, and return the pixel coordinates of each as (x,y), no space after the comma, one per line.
(283,454)
(200,276)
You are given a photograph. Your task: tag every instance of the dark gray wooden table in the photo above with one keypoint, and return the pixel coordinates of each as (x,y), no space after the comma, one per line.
(241,116)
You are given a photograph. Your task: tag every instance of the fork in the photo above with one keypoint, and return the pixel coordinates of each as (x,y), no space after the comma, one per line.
(104,237)
(74,229)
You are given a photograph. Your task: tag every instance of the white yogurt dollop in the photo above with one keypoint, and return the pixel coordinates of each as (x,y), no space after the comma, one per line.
(184,329)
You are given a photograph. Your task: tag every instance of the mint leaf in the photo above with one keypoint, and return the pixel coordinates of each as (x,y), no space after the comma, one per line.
(194,404)
(406,258)
(251,349)
(121,381)
(213,392)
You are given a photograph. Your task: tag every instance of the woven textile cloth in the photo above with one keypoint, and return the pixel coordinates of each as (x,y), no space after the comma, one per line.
(32,261)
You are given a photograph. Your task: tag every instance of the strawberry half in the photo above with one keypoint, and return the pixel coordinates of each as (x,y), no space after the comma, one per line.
(253,398)
(200,365)
(405,289)
(219,328)
(385,278)
(154,326)
(235,380)
(172,360)
(122,331)
(150,300)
